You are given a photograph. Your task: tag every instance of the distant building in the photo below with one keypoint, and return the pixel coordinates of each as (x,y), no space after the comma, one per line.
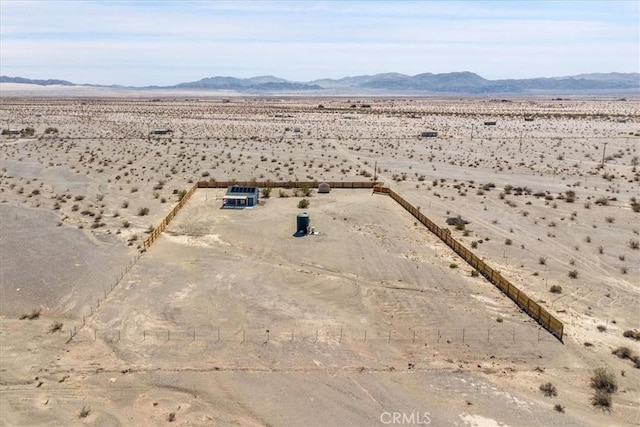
(429,134)
(489,123)
(241,197)
(161,131)
(528,119)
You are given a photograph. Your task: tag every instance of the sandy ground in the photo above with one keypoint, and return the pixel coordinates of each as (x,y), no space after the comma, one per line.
(365,319)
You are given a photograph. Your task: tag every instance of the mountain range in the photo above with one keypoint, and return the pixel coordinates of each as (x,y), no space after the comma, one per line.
(396,83)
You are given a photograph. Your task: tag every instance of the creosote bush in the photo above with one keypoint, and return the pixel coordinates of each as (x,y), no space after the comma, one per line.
(548,389)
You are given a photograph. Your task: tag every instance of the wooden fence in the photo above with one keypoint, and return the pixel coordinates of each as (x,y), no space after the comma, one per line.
(533,309)
(287,184)
(160,228)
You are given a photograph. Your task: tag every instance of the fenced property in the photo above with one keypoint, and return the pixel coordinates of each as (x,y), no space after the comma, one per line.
(529,306)
(533,309)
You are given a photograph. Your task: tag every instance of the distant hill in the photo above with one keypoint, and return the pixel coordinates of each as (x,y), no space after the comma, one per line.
(50,82)
(263,83)
(395,83)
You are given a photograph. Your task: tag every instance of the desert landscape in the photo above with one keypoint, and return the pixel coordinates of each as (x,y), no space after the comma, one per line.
(229,319)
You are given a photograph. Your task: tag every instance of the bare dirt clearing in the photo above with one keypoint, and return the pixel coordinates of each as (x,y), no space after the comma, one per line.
(541,207)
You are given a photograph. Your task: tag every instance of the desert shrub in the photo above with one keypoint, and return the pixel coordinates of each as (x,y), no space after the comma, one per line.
(601,328)
(453,265)
(603,380)
(601,400)
(33,314)
(634,244)
(306,190)
(602,201)
(556,289)
(84,412)
(171,417)
(633,334)
(474,244)
(609,219)
(55,326)
(558,407)
(548,389)
(542,260)
(50,129)
(508,242)
(143,211)
(266,192)
(573,274)
(125,204)
(474,273)
(303,204)
(181,194)
(623,352)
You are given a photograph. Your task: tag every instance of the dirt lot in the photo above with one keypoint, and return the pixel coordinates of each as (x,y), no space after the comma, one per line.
(230,319)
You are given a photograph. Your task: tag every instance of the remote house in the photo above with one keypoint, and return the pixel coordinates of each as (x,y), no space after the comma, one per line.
(238,196)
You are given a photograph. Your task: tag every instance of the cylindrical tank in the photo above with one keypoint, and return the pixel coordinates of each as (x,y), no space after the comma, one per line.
(302,223)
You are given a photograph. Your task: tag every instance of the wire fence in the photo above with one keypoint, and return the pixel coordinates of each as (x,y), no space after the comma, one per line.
(503,335)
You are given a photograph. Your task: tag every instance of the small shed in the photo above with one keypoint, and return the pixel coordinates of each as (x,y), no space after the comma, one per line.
(429,134)
(241,197)
(490,123)
(324,187)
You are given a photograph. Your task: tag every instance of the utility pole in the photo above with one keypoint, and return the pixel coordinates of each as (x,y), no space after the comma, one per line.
(375,172)
(604,149)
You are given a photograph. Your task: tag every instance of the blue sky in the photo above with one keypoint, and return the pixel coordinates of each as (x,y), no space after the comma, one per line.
(166,42)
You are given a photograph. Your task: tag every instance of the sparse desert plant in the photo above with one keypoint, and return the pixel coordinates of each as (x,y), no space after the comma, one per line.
(623,352)
(31,315)
(124,204)
(55,326)
(266,192)
(303,204)
(602,400)
(171,417)
(453,265)
(634,244)
(556,289)
(508,242)
(633,334)
(542,260)
(573,274)
(143,211)
(603,380)
(548,389)
(306,190)
(601,328)
(84,412)
(609,219)
(474,273)
(559,408)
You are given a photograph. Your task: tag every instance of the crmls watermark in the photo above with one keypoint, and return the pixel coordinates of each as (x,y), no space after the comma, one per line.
(407,418)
